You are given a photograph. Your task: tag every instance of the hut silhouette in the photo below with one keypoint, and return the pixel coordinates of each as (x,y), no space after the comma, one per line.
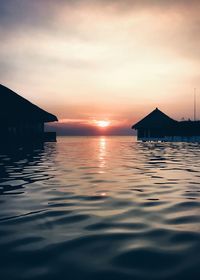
(157,126)
(21,120)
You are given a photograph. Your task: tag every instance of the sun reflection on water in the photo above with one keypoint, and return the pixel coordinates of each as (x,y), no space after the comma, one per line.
(102,154)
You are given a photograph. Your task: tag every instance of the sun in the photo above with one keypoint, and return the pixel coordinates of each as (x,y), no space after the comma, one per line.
(103,123)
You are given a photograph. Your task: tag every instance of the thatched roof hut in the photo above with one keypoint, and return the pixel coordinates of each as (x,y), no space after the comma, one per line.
(158,126)
(21,120)
(155,119)
(14,108)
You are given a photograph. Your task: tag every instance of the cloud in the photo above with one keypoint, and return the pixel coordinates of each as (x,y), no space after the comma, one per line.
(105,54)
(44,13)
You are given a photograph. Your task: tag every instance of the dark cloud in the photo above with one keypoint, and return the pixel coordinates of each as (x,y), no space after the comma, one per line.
(18,13)
(86,130)
(23,13)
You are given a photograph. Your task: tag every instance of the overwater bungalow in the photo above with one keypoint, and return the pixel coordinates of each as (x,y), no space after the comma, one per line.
(157,126)
(21,120)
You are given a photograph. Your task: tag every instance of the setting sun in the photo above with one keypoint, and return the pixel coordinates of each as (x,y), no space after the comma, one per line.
(103,123)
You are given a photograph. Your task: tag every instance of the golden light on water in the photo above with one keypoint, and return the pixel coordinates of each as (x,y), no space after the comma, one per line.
(102,154)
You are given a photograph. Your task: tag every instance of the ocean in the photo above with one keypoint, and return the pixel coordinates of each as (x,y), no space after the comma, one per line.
(100,208)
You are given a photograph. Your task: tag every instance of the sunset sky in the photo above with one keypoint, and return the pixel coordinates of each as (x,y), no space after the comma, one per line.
(102,60)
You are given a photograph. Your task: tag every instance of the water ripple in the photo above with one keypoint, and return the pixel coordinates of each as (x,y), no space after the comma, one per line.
(100,208)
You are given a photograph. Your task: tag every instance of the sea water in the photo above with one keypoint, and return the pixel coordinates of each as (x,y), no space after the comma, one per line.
(100,208)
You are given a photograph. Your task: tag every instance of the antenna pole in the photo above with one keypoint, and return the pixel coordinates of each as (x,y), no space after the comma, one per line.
(194,104)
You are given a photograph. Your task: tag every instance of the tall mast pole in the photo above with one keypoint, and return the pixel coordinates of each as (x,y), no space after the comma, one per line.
(194,104)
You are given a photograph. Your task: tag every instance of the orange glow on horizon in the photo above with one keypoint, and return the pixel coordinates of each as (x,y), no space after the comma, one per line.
(103,124)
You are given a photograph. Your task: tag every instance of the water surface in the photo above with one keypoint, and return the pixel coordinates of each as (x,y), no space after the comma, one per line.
(100,208)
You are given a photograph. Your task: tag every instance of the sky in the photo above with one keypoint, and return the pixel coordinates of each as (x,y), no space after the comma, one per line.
(112,60)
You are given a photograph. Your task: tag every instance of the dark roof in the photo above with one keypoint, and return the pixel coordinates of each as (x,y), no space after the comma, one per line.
(155,119)
(189,124)
(14,108)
